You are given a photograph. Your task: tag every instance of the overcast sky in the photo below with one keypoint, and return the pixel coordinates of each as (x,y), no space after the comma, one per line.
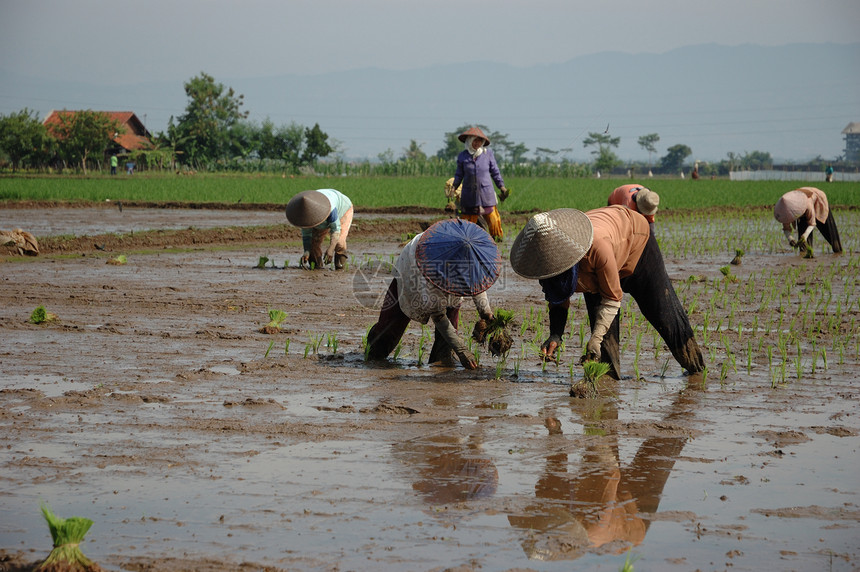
(120,41)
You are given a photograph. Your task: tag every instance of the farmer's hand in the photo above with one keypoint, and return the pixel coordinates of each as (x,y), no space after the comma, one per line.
(467,359)
(547,349)
(305,260)
(329,254)
(592,348)
(504,194)
(792,243)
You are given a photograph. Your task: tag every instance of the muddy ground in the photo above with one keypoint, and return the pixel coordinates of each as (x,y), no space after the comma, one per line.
(155,406)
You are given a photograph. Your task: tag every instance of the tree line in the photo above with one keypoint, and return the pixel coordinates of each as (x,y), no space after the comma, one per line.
(214,134)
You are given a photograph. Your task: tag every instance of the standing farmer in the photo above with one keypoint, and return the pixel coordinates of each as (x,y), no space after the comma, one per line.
(603,253)
(636,197)
(317,213)
(805,208)
(477,171)
(449,261)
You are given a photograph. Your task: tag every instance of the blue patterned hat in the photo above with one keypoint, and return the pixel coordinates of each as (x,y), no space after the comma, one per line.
(458,257)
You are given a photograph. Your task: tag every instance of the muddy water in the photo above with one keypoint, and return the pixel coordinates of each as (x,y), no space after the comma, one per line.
(156,408)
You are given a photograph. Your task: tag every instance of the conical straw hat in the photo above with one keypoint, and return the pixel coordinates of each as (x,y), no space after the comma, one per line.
(458,257)
(308,209)
(551,243)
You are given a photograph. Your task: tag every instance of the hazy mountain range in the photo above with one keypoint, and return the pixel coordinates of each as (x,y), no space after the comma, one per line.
(792,101)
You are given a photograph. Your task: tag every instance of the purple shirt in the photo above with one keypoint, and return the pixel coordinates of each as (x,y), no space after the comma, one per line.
(477,177)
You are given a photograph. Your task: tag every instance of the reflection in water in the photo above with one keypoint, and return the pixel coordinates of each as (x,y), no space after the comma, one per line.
(602,503)
(450,468)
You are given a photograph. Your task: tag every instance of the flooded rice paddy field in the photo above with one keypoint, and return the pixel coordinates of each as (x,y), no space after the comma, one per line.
(155,407)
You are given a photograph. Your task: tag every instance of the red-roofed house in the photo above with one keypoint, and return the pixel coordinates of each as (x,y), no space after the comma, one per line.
(135,138)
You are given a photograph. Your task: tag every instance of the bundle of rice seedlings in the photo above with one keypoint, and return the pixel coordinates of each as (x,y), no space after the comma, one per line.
(41,316)
(592,372)
(275,319)
(495,332)
(118,260)
(738,255)
(67,534)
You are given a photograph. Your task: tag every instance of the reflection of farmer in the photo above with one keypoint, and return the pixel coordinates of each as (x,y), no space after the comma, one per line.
(636,197)
(603,254)
(317,213)
(450,260)
(603,502)
(450,469)
(807,209)
(477,171)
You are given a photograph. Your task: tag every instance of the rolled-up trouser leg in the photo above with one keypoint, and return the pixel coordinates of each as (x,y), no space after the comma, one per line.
(441,350)
(653,291)
(830,232)
(345,224)
(385,334)
(609,347)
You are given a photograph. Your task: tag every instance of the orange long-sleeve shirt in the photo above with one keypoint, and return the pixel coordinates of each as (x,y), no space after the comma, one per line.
(620,235)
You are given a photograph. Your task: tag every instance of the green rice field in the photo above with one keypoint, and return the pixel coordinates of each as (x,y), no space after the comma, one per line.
(373,192)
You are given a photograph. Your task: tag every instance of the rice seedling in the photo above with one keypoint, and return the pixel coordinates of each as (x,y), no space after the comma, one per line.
(495,332)
(67,535)
(261,263)
(397,351)
(500,367)
(274,324)
(331,342)
(41,316)
(287,346)
(421,349)
(272,343)
(118,260)
(588,386)
(313,345)
(738,256)
(627,566)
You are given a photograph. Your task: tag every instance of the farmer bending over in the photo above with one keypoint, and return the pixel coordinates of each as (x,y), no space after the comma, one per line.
(450,260)
(603,253)
(317,213)
(803,208)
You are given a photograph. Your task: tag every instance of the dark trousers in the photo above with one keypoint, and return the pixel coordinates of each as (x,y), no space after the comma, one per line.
(828,231)
(650,286)
(386,333)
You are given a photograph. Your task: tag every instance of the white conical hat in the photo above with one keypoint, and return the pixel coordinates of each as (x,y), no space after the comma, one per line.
(551,243)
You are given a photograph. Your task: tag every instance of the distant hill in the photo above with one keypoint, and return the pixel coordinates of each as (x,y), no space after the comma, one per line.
(792,101)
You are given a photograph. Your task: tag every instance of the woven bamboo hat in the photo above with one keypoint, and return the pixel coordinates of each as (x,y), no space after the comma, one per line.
(551,243)
(458,257)
(308,209)
(647,201)
(474,132)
